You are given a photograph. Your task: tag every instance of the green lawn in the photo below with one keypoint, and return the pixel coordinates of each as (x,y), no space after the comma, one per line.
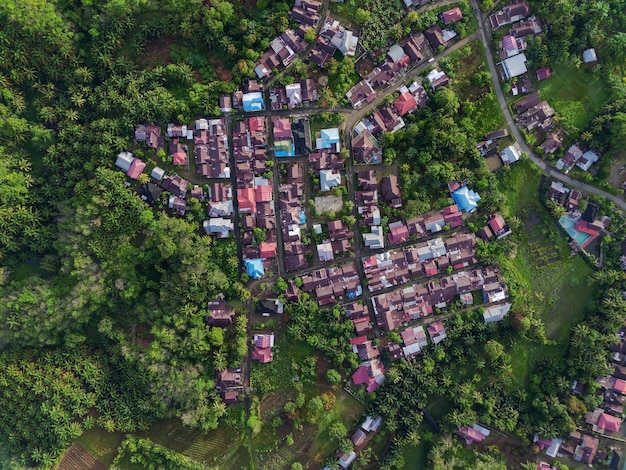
(575,94)
(415,456)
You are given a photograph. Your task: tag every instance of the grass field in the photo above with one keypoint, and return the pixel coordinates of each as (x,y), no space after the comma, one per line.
(575,94)
(553,283)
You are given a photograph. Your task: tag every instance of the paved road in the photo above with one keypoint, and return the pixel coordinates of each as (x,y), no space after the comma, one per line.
(546,168)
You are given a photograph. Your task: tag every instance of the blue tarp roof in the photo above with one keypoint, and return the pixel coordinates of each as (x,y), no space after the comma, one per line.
(466,199)
(254,267)
(329,137)
(302,218)
(253,102)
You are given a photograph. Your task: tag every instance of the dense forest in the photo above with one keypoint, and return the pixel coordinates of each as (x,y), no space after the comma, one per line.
(102,320)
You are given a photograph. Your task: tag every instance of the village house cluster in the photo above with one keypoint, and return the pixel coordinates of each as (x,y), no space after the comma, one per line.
(429,258)
(532,114)
(292,217)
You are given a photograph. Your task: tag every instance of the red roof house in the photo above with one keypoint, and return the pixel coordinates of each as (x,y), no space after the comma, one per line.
(136,168)
(451,16)
(470,435)
(267,250)
(247,202)
(263,193)
(543,73)
(609,423)
(398,234)
(405,103)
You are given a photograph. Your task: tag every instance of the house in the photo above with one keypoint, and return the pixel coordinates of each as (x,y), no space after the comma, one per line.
(124,161)
(498,226)
(268,307)
(367,180)
(602,422)
(551,143)
(325,252)
(230,397)
(496,313)
(466,199)
(225,103)
(398,233)
(526,28)
(178,152)
(329,139)
(370,373)
(437,332)
(390,191)
(177,204)
(543,73)
(590,57)
(451,16)
(219,315)
(509,46)
(254,268)
(175,185)
(434,35)
(397,56)
(374,240)
(229,379)
(371,424)
(516,11)
(473,434)
(586,160)
(346,458)
(262,351)
(405,103)
(514,66)
(177,130)
(218,227)
(150,192)
(437,79)
(358,438)
(329,179)
(511,154)
(253,102)
(136,168)
(568,161)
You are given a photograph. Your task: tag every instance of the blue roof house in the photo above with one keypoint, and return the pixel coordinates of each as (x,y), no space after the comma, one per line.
(254,267)
(329,138)
(253,102)
(466,199)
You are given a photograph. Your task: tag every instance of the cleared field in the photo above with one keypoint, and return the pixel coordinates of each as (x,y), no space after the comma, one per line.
(79,458)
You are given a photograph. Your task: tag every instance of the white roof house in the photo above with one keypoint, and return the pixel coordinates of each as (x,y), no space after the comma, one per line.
(511,154)
(325,252)
(157,173)
(294,94)
(202,124)
(587,159)
(329,179)
(590,56)
(396,53)
(124,160)
(375,239)
(515,66)
(218,226)
(497,313)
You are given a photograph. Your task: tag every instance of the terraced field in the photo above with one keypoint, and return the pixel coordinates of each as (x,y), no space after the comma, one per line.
(213,448)
(79,458)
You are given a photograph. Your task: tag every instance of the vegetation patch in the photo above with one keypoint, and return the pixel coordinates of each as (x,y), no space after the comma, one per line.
(576,94)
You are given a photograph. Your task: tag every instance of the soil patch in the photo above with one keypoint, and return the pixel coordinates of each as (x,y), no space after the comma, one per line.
(513,450)
(617,175)
(221,71)
(325,204)
(272,405)
(157,51)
